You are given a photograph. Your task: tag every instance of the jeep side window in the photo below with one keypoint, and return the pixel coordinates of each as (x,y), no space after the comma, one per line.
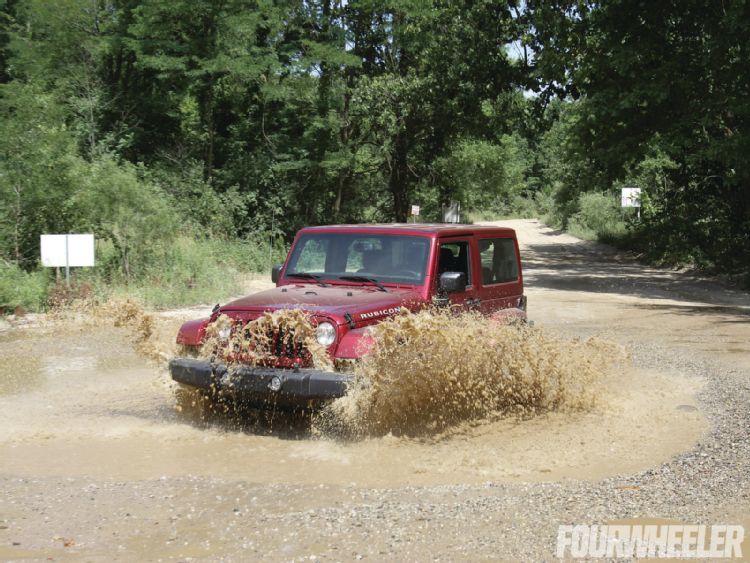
(455,257)
(499,261)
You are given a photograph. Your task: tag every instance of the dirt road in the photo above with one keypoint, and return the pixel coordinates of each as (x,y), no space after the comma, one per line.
(96,464)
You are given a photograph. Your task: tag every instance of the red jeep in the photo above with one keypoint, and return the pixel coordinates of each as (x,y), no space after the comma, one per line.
(348,277)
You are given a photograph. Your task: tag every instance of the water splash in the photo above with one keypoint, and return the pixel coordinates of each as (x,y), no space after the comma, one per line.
(141,326)
(434,370)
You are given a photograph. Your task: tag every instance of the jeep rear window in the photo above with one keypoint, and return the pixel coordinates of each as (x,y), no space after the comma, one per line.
(499,260)
(387,258)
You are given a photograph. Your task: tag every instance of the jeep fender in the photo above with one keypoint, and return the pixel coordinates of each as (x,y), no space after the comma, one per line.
(192,332)
(355,344)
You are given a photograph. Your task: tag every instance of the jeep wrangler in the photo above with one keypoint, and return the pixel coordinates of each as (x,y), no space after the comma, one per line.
(347,278)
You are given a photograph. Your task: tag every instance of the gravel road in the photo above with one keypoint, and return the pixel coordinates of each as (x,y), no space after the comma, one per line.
(95,471)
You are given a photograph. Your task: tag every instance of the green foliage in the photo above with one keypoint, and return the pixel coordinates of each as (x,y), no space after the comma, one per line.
(661,100)
(18,288)
(485,175)
(38,164)
(196,205)
(133,215)
(599,216)
(154,123)
(187,271)
(192,271)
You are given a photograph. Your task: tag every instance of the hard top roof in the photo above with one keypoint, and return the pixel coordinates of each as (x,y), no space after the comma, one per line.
(449,229)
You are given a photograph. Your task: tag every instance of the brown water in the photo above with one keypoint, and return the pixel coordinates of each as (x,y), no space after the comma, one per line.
(77,399)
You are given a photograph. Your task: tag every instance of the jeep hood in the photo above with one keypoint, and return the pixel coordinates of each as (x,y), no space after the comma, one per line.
(362,303)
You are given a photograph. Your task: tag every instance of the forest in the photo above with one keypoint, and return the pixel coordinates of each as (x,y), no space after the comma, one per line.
(193,137)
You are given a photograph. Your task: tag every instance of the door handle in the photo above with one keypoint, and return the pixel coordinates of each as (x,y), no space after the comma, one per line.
(476,301)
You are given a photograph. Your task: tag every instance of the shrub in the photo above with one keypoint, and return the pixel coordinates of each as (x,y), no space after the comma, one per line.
(27,290)
(598,217)
(487,177)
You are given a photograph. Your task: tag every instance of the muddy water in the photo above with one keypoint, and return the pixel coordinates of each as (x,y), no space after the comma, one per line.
(76,400)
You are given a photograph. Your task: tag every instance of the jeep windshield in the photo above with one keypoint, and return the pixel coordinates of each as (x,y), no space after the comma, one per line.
(383,259)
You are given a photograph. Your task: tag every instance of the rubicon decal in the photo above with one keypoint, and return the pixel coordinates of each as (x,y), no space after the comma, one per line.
(380,313)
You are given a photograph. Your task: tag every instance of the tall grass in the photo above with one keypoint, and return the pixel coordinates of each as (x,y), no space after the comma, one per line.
(194,271)
(187,271)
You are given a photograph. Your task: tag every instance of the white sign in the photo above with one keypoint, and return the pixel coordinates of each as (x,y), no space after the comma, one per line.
(67,250)
(631,197)
(415,210)
(452,212)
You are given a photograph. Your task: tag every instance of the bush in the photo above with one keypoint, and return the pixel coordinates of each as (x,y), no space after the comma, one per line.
(518,207)
(598,217)
(134,215)
(27,290)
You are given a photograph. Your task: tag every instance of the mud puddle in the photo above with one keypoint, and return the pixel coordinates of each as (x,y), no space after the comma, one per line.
(80,402)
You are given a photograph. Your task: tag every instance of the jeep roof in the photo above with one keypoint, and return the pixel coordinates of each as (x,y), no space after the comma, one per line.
(426,228)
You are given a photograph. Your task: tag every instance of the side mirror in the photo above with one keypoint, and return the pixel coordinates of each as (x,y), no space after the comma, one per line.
(276,273)
(453,282)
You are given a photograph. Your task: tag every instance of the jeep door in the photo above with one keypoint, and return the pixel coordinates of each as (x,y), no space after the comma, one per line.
(501,284)
(459,255)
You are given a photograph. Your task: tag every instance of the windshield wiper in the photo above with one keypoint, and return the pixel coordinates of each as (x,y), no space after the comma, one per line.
(307,276)
(373,281)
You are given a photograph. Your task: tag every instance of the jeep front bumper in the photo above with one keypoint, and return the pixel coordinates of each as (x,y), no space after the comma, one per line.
(292,387)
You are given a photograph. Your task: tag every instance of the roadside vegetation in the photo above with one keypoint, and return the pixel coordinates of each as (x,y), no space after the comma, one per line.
(187,135)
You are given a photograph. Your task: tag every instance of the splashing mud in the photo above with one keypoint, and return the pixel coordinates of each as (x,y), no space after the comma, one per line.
(141,325)
(433,370)
(253,342)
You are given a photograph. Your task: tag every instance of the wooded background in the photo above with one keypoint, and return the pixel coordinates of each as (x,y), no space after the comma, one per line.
(187,133)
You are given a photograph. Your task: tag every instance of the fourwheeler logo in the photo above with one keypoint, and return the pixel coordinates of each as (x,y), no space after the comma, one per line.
(673,541)
(380,313)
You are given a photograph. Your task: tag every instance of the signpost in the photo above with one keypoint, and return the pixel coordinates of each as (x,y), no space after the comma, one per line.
(631,197)
(415,212)
(67,251)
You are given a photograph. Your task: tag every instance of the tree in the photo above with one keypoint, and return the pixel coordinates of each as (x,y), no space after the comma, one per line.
(671,77)
(38,164)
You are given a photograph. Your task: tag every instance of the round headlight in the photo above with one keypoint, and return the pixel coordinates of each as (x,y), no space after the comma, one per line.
(325,334)
(224,332)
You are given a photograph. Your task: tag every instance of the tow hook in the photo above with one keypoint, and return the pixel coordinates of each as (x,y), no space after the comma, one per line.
(275,384)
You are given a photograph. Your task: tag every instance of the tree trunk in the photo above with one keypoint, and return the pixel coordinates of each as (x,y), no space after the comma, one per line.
(345,176)
(208,116)
(344,186)
(17,226)
(398,183)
